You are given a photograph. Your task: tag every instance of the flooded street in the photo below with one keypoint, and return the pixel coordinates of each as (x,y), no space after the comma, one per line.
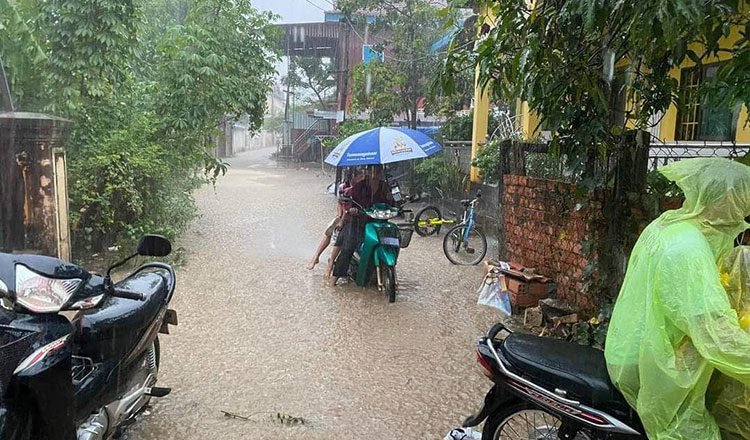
(259,336)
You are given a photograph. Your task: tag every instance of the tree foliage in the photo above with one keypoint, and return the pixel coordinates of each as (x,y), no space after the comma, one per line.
(314,74)
(411,26)
(570,59)
(574,60)
(375,89)
(146,82)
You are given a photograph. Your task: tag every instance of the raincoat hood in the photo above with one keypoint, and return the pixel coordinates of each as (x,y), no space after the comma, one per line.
(717,198)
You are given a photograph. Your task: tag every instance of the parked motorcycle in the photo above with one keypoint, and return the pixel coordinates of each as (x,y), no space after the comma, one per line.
(379,250)
(79,354)
(549,389)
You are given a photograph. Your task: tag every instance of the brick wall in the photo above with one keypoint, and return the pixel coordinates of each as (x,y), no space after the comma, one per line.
(544,229)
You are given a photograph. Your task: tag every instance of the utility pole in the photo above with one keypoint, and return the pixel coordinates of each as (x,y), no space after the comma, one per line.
(287,136)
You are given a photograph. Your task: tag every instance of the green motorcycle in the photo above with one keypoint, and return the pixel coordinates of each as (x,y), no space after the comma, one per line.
(380,248)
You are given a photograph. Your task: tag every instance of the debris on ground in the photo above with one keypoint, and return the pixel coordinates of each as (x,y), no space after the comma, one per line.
(532,317)
(284,419)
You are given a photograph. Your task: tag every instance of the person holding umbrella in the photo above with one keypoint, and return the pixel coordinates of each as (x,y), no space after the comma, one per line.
(373,148)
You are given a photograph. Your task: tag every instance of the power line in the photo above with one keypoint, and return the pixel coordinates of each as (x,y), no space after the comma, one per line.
(400,60)
(309,1)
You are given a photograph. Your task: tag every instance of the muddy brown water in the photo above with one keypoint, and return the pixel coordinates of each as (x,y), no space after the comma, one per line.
(260,336)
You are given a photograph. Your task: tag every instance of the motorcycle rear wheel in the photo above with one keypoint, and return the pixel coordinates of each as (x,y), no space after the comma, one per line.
(524,421)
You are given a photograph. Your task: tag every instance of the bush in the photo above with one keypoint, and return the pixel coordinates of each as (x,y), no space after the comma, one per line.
(461,127)
(124,184)
(439,174)
(489,160)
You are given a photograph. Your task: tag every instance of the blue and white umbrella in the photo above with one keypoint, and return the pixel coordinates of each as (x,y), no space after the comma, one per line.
(382,145)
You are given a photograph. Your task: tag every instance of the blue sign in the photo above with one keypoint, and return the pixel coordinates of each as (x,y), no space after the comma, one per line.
(368,54)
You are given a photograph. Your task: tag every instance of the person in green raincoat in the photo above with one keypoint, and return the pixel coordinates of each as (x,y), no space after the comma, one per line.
(728,400)
(673,324)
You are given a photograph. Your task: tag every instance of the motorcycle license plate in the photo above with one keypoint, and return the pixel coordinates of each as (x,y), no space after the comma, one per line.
(390,241)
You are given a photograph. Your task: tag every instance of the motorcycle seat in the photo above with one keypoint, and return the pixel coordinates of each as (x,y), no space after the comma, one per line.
(578,370)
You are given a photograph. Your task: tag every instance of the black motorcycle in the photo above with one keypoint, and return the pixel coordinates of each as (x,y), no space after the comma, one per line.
(549,389)
(79,354)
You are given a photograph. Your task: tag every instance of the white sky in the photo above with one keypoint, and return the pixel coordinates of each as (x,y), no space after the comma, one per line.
(295,11)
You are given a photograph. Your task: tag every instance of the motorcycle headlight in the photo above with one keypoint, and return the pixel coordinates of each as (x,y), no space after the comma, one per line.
(41,294)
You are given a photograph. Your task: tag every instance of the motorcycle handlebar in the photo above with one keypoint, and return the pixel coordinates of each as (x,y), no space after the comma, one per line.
(125,294)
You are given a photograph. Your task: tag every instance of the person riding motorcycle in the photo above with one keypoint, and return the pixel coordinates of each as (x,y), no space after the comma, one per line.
(373,189)
(673,324)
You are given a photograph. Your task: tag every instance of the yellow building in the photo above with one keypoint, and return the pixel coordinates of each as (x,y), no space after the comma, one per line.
(697,124)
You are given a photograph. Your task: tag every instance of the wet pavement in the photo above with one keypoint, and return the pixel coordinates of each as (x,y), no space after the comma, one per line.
(261,337)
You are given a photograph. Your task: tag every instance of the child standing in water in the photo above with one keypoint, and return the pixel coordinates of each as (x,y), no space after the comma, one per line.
(334,227)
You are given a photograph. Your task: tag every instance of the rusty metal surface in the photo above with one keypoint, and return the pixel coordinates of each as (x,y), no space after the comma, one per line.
(28,202)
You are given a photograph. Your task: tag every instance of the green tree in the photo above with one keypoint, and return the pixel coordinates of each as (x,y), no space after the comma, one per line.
(412,27)
(315,75)
(23,58)
(375,89)
(569,59)
(146,82)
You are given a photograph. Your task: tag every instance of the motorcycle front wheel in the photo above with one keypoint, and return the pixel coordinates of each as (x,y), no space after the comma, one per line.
(524,421)
(389,282)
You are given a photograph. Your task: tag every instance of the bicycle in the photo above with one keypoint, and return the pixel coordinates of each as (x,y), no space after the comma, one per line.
(467,237)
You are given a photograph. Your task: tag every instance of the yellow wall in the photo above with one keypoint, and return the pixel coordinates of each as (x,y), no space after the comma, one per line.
(479,124)
(668,124)
(527,121)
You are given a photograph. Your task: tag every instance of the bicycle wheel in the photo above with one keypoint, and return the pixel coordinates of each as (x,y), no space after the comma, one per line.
(465,252)
(423,217)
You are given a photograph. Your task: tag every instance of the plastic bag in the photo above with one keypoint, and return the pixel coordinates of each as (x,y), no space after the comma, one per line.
(729,399)
(494,291)
(463,434)
(673,325)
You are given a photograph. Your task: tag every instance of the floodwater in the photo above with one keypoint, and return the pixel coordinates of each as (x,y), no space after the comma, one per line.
(261,337)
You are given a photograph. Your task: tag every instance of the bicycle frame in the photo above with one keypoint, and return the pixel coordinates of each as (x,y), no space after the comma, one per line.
(469,221)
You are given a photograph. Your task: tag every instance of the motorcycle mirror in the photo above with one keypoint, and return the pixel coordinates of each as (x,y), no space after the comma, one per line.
(154,246)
